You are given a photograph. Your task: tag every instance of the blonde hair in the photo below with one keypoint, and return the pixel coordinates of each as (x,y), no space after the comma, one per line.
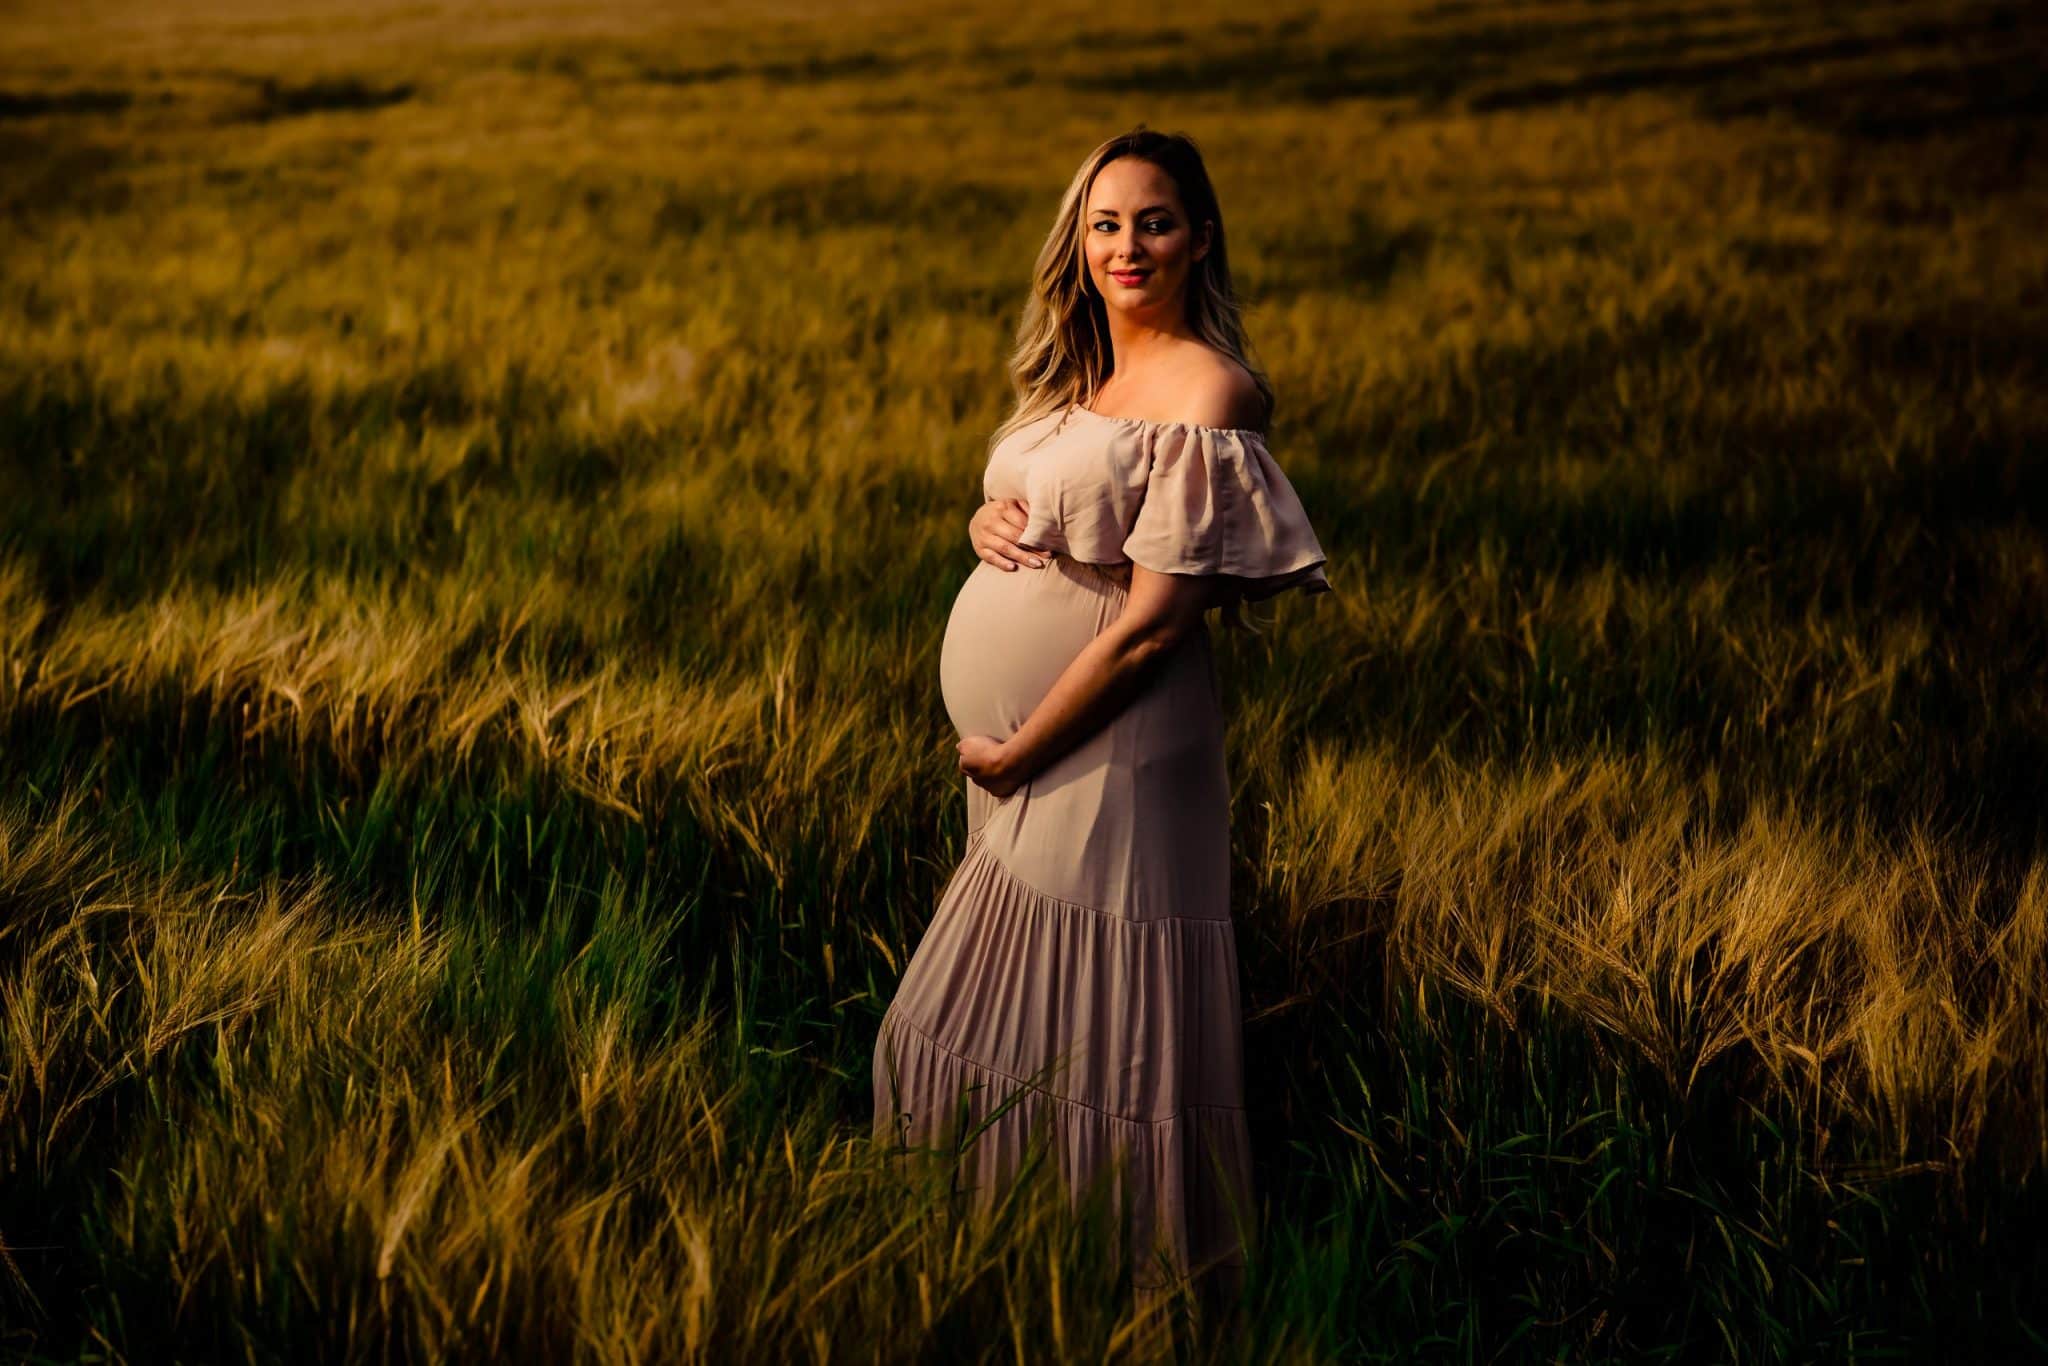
(1062,353)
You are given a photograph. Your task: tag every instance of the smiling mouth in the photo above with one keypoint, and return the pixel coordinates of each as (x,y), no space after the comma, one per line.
(1128,277)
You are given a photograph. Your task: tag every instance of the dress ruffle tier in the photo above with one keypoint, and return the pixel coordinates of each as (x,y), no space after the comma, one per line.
(1040,980)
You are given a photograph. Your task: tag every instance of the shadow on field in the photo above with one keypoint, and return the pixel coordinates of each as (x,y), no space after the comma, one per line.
(39,104)
(1873,72)
(804,70)
(842,200)
(343,94)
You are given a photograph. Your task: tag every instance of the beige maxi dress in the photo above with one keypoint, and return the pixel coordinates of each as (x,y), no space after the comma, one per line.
(1082,952)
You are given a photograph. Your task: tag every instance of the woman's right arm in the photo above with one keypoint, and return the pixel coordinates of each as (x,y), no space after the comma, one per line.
(993,530)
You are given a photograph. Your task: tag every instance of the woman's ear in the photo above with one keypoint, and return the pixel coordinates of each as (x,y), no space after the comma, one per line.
(1203,239)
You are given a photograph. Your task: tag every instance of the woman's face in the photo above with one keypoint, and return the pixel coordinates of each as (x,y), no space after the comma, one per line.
(1139,244)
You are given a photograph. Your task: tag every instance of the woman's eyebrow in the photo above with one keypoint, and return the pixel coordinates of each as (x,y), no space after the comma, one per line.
(1149,208)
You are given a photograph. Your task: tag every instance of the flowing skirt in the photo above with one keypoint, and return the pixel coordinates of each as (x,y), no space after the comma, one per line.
(1081,960)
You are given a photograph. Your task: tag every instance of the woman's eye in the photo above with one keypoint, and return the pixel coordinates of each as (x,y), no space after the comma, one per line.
(1159,225)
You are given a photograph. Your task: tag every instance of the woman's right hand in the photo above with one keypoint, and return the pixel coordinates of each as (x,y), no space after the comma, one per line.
(994,529)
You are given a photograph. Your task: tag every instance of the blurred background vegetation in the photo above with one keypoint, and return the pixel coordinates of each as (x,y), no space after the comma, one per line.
(481,494)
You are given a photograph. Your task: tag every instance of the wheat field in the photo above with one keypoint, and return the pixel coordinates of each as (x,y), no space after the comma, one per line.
(482,493)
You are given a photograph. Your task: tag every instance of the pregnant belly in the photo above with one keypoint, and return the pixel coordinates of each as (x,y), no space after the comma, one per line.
(1012,633)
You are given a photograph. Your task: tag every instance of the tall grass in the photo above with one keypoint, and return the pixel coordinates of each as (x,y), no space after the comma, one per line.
(481,500)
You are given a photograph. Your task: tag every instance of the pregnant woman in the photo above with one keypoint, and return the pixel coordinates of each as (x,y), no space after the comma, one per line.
(1080,965)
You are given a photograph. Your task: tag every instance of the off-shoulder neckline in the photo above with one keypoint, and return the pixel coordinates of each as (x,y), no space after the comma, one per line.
(1150,422)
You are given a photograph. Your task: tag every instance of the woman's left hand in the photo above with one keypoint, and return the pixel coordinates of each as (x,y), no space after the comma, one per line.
(985,759)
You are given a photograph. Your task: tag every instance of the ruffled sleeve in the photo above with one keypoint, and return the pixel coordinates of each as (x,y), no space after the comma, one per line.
(1080,504)
(1216,502)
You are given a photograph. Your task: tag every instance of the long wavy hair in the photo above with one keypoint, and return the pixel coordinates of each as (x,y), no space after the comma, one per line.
(1062,353)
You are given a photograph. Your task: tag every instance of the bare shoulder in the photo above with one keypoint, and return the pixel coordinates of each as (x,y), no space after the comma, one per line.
(1220,392)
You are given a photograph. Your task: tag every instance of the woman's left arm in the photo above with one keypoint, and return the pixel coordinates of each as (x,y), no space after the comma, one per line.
(1159,611)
